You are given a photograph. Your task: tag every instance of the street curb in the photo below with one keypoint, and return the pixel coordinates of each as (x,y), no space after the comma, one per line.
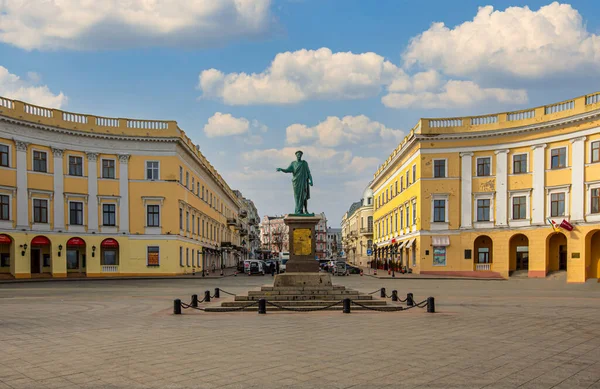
(28,280)
(436,278)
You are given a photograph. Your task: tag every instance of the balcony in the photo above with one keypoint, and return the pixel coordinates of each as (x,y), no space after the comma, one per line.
(366,231)
(483,266)
(231,221)
(243,213)
(243,232)
(110,268)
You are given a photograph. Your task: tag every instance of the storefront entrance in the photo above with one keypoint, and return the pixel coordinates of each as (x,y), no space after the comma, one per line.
(557,252)
(519,252)
(76,259)
(40,255)
(6,254)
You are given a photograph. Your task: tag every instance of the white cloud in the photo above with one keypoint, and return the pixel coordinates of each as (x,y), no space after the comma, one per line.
(14,87)
(224,124)
(454,94)
(88,24)
(301,75)
(335,131)
(516,41)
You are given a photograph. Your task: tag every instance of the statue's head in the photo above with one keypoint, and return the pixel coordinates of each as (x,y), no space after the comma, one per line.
(299,155)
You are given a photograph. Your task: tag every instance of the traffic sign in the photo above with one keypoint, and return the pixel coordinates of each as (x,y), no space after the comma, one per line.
(369,252)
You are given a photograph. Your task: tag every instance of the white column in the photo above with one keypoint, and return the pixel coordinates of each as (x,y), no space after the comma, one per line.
(466,184)
(501,188)
(22,197)
(577,186)
(124,193)
(92,173)
(59,189)
(538,200)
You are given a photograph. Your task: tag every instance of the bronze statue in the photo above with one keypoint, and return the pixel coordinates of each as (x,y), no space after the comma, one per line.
(301,182)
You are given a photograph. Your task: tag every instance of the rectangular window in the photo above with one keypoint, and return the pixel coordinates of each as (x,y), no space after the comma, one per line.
(596,151)
(519,205)
(204,236)
(76,213)
(193,184)
(4,259)
(153,215)
(407,215)
(483,210)
(4,155)
(401,183)
(387,195)
(152,170)
(4,207)
(40,162)
(75,166)
(414,173)
(396,186)
(407,179)
(557,204)
(414,214)
(153,256)
(595,201)
(439,210)
(187,180)
(484,166)
(202,192)
(108,168)
(187,256)
(198,190)
(180,219)
(193,257)
(187,221)
(193,224)
(401,217)
(519,163)
(180,175)
(439,256)
(558,158)
(439,168)
(109,215)
(40,211)
(180,256)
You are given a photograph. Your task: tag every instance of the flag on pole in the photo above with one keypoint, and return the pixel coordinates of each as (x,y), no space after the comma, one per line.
(555,226)
(566,225)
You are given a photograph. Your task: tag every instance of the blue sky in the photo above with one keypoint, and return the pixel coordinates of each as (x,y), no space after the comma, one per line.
(342,80)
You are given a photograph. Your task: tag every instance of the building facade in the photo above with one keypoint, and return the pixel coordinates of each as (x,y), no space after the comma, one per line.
(321,237)
(249,227)
(357,231)
(84,195)
(334,242)
(485,195)
(274,235)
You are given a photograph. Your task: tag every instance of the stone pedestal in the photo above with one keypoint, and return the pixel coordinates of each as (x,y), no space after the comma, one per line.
(302,243)
(291,280)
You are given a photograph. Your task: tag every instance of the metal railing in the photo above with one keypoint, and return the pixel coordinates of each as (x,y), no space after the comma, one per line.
(110,268)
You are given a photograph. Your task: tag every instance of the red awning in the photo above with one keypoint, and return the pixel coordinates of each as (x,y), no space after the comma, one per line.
(5,239)
(40,240)
(109,243)
(78,242)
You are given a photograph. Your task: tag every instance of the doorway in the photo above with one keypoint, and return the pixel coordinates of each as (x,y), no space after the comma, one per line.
(522,258)
(36,267)
(562,257)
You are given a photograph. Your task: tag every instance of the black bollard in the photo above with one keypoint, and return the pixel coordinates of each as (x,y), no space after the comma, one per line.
(409,300)
(177,307)
(262,306)
(382,294)
(430,305)
(217,293)
(346,305)
(394,295)
(194,301)
(207,296)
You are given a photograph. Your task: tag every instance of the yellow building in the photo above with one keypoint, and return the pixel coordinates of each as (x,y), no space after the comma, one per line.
(476,195)
(357,230)
(92,196)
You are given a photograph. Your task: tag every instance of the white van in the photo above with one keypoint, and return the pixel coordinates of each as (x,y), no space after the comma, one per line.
(283,258)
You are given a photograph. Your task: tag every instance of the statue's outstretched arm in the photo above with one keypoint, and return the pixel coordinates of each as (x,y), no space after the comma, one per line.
(289,169)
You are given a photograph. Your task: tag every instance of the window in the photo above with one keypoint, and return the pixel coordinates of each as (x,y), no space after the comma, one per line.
(76,213)
(387,195)
(596,151)
(4,155)
(110,256)
(396,186)
(439,256)
(519,163)
(192,257)
(558,158)
(395,222)
(180,256)
(557,204)
(152,170)
(439,168)
(202,192)
(4,207)
(401,183)
(187,180)
(187,221)
(4,259)
(193,184)
(193,225)
(180,175)
(484,166)
(198,190)
(414,215)
(439,210)
(519,207)
(595,201)
(414,171)
(40,162)
(204,236)
(407,215)
(407,179)
(187,256)
(180,219)
(153,215)
(108,215)
(40,211)
(153,256)
(75,166)
(401,217)
(483,210)
(108,168)
(483,255)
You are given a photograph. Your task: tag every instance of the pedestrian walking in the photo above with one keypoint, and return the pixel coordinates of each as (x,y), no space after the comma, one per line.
(272,269)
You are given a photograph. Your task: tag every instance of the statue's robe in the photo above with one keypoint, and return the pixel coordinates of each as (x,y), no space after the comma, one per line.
(300,180)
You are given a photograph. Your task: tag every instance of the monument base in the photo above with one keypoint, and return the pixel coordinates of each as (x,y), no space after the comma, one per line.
(302,280)
(302,244)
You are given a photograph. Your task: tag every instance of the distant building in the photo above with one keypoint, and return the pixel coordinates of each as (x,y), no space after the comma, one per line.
(274,234)
(321,236)
(334,242)
(248,226)
(357,230)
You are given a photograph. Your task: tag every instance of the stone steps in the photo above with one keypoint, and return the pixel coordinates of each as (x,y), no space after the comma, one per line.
(301,288)
(314,297)
(303,292)
(301,303)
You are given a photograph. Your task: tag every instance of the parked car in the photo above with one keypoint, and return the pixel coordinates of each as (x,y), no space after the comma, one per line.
(352,269)
(283,258)
(254,267)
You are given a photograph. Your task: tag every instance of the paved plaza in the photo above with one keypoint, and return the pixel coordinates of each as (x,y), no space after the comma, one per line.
(122,334)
